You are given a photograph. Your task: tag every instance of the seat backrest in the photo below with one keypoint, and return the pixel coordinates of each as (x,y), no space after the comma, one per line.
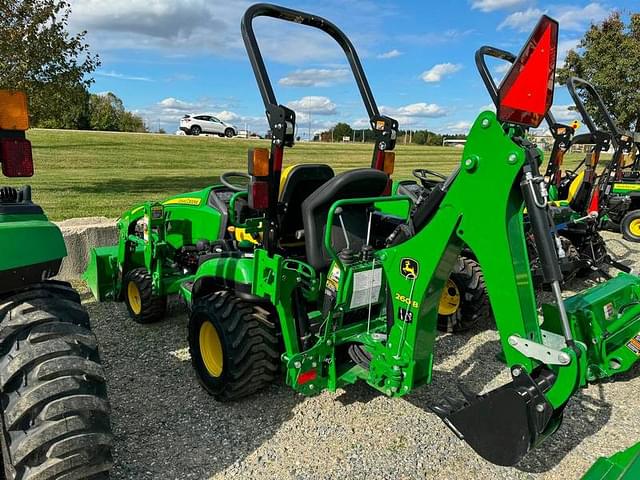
(362,182)
(297,183)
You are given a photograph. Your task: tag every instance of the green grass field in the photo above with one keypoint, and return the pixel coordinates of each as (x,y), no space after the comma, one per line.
(80,174)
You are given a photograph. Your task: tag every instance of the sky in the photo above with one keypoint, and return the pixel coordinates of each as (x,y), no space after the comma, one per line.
(168,58)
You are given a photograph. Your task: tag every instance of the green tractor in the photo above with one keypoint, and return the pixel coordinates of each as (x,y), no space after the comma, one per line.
(616,196)
(55,411)
(342,281)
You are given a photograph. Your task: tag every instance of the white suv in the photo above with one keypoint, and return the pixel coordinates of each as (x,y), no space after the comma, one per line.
(203,123)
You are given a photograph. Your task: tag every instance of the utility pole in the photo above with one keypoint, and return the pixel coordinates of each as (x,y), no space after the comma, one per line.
(309,134)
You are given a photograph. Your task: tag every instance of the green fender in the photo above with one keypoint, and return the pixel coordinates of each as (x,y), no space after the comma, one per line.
(29,242)
(623,465)
(223,272)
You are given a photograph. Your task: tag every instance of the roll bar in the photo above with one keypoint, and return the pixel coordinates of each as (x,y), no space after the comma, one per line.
(296,16)
(487,78)
(572,84)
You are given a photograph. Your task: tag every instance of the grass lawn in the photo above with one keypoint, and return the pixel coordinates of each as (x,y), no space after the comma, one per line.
(80,174)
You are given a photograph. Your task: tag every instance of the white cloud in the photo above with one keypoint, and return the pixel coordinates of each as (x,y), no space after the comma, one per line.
(122,76)
(577,18)
(421,109)
(315,77)
(390,54)
(227,116)
(564,114)
(570,17)
(492,5)
(437,72)
(563,48)
(313,104)
(459,127)
(191,27)
(172,103)
(522,21)
(489,106)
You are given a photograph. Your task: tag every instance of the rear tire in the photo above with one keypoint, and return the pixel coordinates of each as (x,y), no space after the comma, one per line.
(472,306)
(55,411)
(630,226)
(196,130)
(241,355)
(142,304)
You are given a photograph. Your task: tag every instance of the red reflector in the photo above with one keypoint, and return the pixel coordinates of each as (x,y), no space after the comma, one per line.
(259,195)
(595,201)
(526,93)
(15,156)
(306,377)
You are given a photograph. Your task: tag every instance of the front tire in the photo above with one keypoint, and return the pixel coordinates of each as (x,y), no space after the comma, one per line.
(229,132)
(233,344)
(630,226)
(464,301)
(55,411)
(142,304)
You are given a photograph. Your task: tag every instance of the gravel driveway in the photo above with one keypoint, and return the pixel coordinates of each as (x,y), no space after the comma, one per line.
(167,427)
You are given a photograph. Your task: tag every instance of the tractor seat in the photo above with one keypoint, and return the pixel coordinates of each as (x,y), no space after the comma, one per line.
(296,184)
(362,182)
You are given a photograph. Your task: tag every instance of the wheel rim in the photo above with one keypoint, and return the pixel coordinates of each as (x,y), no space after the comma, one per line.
(450,299)
(133,297)
(211,349)
(634,227)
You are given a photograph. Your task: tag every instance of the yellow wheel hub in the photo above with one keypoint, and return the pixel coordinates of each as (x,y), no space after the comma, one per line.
(450,299)
(210,349)
(634,227)
(133,297)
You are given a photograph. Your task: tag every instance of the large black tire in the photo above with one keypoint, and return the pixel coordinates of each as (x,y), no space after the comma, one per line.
(630,226)
(473,305)
(249,358)
(142,304)
(55,412)
(196,130)
(228,132)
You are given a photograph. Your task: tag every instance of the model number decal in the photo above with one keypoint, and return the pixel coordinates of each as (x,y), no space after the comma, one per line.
(403,299)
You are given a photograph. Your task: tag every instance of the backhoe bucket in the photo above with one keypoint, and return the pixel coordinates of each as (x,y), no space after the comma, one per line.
(101,274)
(504,424)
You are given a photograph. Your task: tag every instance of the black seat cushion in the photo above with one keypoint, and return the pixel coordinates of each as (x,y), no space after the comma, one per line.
(301,181)
(362,182)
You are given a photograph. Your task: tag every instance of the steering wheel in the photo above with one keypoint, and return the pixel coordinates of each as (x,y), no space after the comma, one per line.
(423,175)
(224,179)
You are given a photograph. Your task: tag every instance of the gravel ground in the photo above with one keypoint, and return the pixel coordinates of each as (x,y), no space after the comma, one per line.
(167,427)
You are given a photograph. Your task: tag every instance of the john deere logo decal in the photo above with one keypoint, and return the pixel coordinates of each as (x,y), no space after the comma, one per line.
(409,268)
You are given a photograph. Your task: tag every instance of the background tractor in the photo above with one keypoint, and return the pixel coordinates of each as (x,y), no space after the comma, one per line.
(55,412)
(334,289)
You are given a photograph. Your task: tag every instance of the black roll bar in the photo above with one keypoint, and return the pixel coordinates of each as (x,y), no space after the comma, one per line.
(295,16)
(572,85)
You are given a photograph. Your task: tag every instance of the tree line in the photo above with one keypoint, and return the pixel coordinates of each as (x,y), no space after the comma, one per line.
(53,67)
(418,137)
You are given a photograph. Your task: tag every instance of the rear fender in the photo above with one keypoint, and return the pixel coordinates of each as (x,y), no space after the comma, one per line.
(230,273)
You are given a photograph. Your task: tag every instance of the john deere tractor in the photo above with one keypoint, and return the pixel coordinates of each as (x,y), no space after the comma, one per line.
(55,412)
(322,285)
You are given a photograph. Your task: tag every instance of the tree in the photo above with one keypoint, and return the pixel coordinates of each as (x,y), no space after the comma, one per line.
(106,112)
(342,130)
(608,58)
(39,56)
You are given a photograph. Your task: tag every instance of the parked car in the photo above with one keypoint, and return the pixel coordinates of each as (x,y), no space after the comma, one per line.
(203,123)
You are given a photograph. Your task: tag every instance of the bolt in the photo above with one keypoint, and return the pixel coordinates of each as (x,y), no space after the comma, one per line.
(406,387)
(297,364)
(540,407)
(513,158)
(564,358)
(468,162)
(394,389)
(311,387)
(485,123)
(513,341)
(382,146)
(329,343)
(516,372)
(314,365)
(388,392)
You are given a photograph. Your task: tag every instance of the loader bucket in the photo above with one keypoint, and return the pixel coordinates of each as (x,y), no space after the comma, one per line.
(623,465)
(101,274)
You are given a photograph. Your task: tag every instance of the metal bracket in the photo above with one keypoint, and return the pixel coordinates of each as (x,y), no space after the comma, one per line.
(546,354)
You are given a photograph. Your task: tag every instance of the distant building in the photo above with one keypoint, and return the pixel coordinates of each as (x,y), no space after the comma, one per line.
(454,142)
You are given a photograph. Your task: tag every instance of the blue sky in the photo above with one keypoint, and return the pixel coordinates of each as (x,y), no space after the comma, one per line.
(165,58)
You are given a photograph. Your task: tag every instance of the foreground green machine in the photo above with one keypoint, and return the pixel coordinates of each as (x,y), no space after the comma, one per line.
(623,465)
(334,281)
(55,412)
